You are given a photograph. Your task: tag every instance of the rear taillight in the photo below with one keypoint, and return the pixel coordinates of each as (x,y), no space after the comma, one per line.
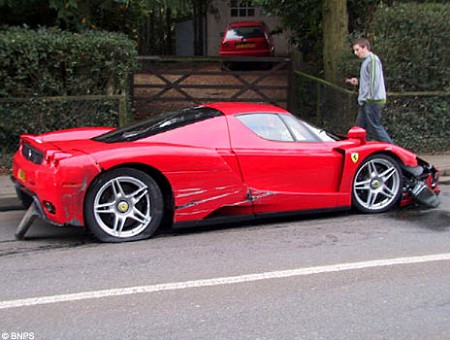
(32,154)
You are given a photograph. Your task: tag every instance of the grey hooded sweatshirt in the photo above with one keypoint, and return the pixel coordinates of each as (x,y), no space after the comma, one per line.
(371,81)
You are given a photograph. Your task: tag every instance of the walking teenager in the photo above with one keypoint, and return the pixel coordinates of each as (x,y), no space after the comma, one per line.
(372,92)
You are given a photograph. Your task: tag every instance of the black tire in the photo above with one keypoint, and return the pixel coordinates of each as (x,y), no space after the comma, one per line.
(378,184)
(123,205)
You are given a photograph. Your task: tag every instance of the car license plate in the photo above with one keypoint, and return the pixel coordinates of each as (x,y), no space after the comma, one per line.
(21,175)
(245,45)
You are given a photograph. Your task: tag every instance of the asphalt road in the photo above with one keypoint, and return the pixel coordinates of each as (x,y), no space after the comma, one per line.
(337,276)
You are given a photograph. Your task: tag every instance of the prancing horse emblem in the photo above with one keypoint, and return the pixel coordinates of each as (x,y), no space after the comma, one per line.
(355,157)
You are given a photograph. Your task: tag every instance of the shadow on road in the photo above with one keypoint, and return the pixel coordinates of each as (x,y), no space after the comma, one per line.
(431,219)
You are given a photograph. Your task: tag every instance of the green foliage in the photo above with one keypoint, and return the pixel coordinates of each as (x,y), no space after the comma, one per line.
(29,12)
(413,62)
(413,41)
(77,15)
(360,13)
(303,18)
(125,16)
(419,124)
(51,62)
(39,115)
(149,22)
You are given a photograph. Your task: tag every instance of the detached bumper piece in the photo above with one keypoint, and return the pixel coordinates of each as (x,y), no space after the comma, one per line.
(425,196)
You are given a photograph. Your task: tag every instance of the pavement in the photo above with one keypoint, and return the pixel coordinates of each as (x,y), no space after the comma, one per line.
(9,201)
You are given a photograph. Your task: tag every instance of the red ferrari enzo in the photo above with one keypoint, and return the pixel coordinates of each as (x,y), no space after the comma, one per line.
(208,164)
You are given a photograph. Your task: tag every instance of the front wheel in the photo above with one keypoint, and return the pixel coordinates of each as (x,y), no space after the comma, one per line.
(377,186)
(123,205)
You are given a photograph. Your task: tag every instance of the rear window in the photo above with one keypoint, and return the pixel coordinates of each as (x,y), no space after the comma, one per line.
(244,32)
(158,124)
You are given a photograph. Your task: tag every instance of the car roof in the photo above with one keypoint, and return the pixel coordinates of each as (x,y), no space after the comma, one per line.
(246,23)
(231,108)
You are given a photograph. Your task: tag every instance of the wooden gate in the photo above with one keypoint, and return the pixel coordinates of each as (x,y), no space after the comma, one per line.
(163,84)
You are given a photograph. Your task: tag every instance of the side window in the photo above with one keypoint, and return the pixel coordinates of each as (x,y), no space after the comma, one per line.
(267,126)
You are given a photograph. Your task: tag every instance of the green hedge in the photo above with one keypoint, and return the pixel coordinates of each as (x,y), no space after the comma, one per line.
(39,115)
(419,123)
(413,42)
(48,62)
(52,62)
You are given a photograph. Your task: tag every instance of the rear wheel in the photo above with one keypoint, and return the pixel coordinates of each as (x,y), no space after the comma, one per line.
(123,205)
(378,184)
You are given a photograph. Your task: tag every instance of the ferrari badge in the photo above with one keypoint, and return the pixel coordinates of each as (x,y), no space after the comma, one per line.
(355,157)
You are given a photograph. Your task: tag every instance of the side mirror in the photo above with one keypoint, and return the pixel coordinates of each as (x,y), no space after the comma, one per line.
(221,34)
(357,133)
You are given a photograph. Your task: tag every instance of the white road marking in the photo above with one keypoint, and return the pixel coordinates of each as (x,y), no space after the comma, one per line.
(42,300)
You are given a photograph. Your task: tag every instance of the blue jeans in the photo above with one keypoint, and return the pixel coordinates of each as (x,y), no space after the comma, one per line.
(369,118)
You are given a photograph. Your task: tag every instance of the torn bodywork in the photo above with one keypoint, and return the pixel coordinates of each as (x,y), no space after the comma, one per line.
(421,183)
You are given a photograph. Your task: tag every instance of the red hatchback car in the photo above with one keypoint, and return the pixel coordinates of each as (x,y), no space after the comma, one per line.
(246,39)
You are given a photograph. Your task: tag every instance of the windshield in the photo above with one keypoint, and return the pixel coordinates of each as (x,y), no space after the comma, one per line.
(302,126)
(158,124)
(326,134)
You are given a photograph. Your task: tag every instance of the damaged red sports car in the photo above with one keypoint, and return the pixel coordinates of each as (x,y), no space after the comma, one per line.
(207,164)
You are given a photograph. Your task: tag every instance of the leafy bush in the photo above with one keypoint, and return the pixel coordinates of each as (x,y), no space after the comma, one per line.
(419,123)
(412,41)
(39,115)
(48,62)
(52,62)
(412,60)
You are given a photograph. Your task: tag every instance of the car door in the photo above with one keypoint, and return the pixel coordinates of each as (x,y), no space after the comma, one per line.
(286,170)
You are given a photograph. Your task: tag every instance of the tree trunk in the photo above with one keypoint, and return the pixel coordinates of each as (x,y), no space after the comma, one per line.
(335,31)
(152,32)
(198,14)
(169,45)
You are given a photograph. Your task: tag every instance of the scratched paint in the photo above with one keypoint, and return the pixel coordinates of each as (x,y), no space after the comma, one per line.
(255,194)
(205,200)
(191,192)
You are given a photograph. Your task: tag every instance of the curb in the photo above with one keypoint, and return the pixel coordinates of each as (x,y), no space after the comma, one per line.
(8,203)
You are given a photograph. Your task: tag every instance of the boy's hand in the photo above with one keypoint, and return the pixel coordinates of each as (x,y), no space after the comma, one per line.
(352,81)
